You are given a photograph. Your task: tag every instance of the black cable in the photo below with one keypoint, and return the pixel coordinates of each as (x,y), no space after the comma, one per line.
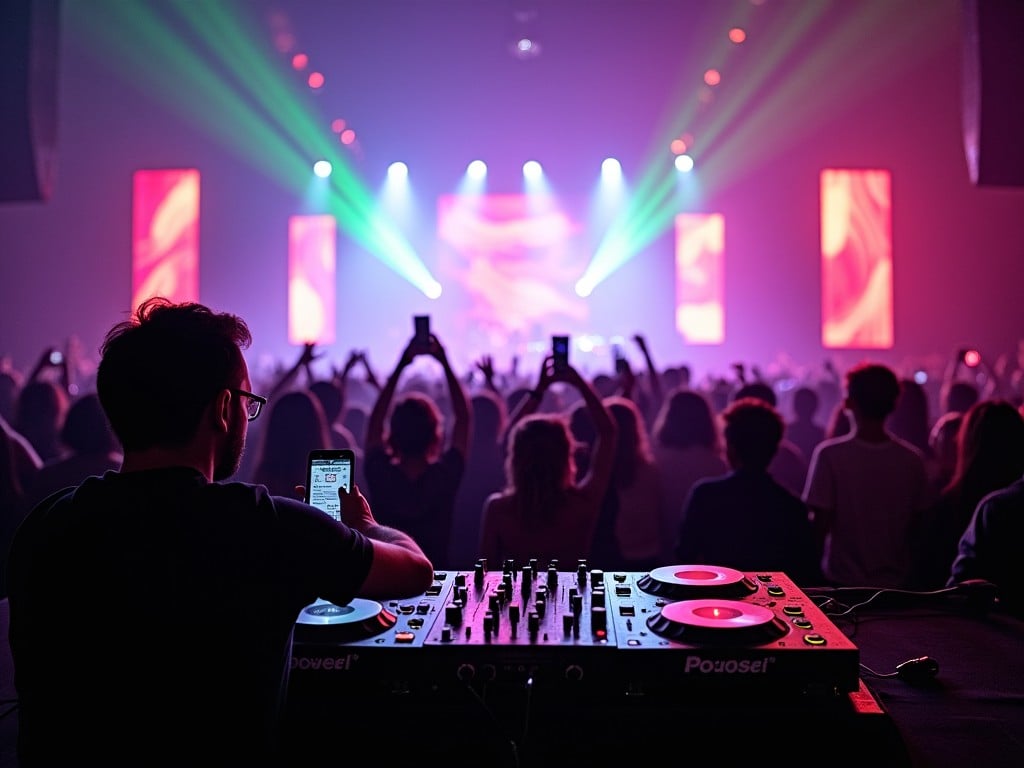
(513,747)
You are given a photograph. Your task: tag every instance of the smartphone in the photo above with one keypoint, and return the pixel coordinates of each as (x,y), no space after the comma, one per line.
(421,329)
(326,470)
(621,365)
(560,352)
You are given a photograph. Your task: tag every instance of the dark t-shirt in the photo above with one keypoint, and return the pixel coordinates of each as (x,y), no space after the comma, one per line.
(422,507)
(747,521)
(152,614)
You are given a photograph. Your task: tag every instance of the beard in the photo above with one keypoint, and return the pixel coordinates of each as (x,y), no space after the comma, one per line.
(230,457)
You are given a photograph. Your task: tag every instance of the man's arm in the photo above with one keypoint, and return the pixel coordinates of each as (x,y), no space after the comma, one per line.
(399,567)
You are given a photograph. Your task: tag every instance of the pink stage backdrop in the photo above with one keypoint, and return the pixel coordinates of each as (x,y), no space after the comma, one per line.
(312,262)
(165,235)
(700,277)
(856,259)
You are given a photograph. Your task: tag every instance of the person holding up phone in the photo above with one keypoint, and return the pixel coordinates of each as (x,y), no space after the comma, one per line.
(412,476)
(545,513)
(181,589)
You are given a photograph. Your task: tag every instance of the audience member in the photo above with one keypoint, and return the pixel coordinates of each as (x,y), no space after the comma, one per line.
(182,589)
(804,431)
(990,456)
(910,420)
(13,500)
(42,406)
(91,449)
(788,465)
(484,475)
(633,539)
(412,476)
(686,449)
(543,512)
(746,519)
(942,439)
(295,426)
(867,490)
(990,547)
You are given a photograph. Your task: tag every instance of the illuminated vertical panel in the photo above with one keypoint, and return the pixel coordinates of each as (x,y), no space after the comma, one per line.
(700,277)
(165,235)
(312,259)
(856,259)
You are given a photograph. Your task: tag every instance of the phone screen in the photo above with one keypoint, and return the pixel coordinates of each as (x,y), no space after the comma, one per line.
(560,351)
(421,326)
(326,471)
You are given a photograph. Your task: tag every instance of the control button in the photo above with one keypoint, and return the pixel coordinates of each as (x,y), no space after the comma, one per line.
(433,590)
(567,623)
(622,590)
(404,637)
(446,633)
(597,598)
(793,610)
(478,574)
(802,624)
(765,577)
(423,609)
(775,590)
(460,579)
(814,639)
(577,604)
(598,619)
(597,576)
(619,577)
(415,623)
(574,672)
(627,609)
(633,642)
(527,575)
(453,614)
(406,609)
(540,607)
(533,622)
(513,613)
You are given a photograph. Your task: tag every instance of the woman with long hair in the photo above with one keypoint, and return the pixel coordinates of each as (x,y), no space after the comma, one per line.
(544,512)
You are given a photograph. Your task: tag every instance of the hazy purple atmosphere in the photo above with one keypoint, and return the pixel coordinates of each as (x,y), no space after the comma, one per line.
(855,84)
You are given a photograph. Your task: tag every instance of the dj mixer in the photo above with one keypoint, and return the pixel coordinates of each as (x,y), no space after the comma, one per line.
(531,664)
(674,628)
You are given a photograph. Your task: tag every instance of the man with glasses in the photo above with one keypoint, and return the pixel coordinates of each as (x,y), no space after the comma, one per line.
(151,609)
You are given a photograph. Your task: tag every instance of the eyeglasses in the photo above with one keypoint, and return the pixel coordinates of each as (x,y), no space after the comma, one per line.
(253,404)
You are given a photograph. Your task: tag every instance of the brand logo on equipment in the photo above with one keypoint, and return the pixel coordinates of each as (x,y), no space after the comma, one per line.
(339,663)
(727,666)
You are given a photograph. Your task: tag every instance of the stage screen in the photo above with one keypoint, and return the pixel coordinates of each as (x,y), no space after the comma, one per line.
(856,259)
(700,277)
(312,262)
(509,264)
(165,235)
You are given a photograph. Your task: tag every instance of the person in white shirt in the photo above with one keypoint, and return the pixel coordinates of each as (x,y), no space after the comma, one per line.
(867,489)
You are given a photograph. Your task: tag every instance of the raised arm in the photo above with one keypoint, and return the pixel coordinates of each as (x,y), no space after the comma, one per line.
(459,401)
(287,379)
(399,567)
(602,456)
(375,423)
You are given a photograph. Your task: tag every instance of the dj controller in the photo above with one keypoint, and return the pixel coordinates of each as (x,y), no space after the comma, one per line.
(606,652)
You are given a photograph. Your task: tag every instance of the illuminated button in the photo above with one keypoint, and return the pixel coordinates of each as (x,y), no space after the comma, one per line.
(619,577)
(406,609)
(802,624)
(627,609)
(622,590)
(814,639)
(765,577)
(793,610)
(633,641)
(416,623)
(775,590)
(433,590)
(404,637)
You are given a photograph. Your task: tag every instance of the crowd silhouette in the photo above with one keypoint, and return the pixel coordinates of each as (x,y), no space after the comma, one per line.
(860,477)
